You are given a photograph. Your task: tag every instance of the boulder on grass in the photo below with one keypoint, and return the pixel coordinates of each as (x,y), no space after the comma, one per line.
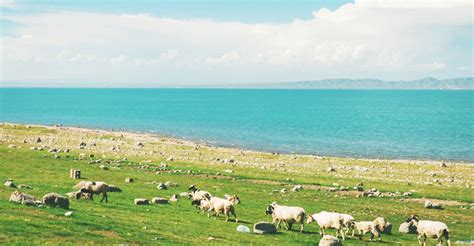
(159,200)
(388,228)
(328,240)
(407,228)
(56,200)
(22,198)
(264,228)
(10,184)
(141,201)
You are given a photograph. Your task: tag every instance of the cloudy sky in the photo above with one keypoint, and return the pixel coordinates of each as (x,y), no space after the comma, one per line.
(174,43)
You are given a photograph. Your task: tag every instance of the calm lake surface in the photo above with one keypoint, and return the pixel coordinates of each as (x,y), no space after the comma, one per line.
(435,125)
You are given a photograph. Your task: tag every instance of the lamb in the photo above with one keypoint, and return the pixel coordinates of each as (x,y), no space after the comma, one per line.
(219,205)
(22,198)
(286,214)
(362,227)
(347,222)
(97,187)
(427,228)
(197,194)
(328,220)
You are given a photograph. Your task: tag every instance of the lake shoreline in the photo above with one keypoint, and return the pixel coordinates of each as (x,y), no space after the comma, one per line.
(192,142)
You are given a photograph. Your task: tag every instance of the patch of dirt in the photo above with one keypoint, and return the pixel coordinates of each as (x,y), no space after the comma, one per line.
(442,202)
(263,181)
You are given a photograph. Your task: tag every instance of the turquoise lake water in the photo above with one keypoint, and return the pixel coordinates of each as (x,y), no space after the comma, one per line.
(437,125)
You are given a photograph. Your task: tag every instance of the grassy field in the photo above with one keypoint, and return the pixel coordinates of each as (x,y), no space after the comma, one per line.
(255,177)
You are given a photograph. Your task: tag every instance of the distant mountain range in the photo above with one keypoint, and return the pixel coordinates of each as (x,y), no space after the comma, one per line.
(426,83)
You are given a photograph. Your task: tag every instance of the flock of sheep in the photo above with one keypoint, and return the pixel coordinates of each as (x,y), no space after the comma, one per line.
(342,223)
(286,215)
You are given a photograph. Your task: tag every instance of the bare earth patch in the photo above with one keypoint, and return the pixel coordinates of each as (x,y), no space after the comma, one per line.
(438,201)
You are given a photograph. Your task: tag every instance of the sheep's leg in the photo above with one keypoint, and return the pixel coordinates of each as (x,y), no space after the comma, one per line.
(343,234)
(353,232)
(92,197)
(287,226)
(301,227)
(226,213)
(321,233)
(278,224)
(446,236)
(233,213)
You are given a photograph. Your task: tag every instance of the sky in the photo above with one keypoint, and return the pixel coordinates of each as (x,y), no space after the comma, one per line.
(149,43)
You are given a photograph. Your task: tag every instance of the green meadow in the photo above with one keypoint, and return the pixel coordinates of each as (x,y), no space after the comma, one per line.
(256,177)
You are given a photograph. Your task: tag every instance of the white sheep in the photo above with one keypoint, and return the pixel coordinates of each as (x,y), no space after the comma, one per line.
(347,222)
(328,220)
(427,228)
(197,194)
(204,205)
(97,187)
(363,227)
(286,214)
(226,206)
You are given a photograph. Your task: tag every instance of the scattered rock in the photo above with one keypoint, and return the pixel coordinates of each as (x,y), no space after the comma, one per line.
(38,140)
(443,164)
(331,169)
(228,171)
(328,240)
(431,205)
(161,186)
(129,180)
(174,198)
(297,188)
(24,186)
(22,198)
(11,146)
(68,214)
(183,194)
(388,228)
(210,239)
(140,145)
(283,190)
(56,200)
(103,167)
(159,200)
(141,201)
(264,228)
(242,228)
(407,228)
(170,158)
(10,184)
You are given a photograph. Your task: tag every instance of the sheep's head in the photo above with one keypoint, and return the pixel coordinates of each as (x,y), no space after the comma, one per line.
(208,196)
(235,199)
(413,218)
(309,219)
(270,209)
(192,188)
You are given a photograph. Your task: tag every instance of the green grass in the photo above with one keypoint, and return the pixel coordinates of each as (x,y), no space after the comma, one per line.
(120,221)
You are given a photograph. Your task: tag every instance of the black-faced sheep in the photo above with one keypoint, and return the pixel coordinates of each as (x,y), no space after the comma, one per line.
(287,215)
(433,229)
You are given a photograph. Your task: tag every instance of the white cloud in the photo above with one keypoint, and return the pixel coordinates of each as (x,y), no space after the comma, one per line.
(383,39)
(7,4)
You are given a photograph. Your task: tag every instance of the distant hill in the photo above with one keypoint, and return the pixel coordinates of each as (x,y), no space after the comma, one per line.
(426,83)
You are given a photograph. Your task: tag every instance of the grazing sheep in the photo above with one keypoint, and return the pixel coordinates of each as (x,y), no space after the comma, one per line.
(56,200)
(427,228)
(328,220)
(219,205)
(362,227)
(286,214)
(97,187)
